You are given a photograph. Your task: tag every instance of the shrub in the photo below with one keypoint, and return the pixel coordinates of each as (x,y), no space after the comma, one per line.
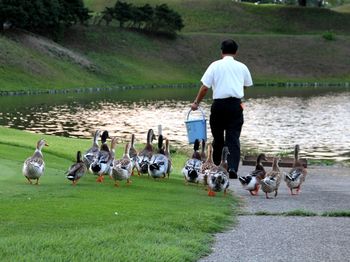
(329,35)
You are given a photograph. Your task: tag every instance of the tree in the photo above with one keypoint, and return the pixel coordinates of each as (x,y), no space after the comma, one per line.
(122,12)
(166,20)
(107,15)
(73,11)
(43,16)
(142,16)
(302,2)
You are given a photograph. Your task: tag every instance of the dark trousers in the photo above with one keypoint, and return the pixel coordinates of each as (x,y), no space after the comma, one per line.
(226,120)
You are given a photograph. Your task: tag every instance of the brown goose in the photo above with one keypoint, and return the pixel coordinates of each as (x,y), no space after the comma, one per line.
(77,170)
(133,153)
(297,174)
(122,168)
(272,180)
(207,165)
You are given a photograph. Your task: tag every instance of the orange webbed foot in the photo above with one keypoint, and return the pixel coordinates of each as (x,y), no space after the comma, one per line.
(211,193)
(253,192)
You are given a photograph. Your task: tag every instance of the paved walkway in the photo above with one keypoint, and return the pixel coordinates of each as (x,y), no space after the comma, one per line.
(290,238)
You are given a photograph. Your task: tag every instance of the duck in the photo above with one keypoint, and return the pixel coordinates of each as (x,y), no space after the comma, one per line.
(203,155)
(159,164)
(218,177)
(272,180)
(167,154)
(102,164)
(92,153)
(122,168)
(145,155)
(251,182)
(296,176)
(76,170)
(207,165)
(193,166)
(34,166)
(133,153)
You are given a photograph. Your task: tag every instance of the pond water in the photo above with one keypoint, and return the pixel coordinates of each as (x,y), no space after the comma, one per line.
(276,118)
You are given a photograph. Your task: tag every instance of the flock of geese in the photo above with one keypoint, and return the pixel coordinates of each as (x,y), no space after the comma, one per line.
(100,160)
(201,169)
(269,182)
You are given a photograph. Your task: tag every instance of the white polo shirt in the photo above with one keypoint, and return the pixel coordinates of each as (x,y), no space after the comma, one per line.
(227,77)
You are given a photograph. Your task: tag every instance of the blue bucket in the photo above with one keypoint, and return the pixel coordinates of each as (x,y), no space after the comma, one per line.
(196,128)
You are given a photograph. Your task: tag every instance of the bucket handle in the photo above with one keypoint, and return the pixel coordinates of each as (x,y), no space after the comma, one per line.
(203,115)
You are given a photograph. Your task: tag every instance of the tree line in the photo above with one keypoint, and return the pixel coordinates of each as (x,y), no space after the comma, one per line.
(42,16)
(53,17)
(158,19)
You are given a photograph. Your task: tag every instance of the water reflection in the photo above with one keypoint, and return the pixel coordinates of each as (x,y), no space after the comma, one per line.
(320,124)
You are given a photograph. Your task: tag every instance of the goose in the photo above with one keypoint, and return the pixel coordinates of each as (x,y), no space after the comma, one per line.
(34,166)
(92,153)
(133,153)
(122,168)
(207,165)
(251,182)
(272,180)
(144,156)
(167,154)
(297,174)
(203,155)
(102,164)
(218,177)
(193,166)
(159,162)
(76,170)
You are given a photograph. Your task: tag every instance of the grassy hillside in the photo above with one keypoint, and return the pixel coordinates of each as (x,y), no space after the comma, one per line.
(277,43)
(343,8)
(227,16)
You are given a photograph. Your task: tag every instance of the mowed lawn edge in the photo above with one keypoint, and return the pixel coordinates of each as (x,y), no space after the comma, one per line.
(150,220)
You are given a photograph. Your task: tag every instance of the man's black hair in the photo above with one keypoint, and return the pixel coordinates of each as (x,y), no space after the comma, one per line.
(229,47)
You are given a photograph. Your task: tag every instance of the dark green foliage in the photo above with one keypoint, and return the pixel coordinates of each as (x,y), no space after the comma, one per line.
(328,35)
(107,15)
(142,16)
(166,20)
(122,12)
(160,19)
(42,16)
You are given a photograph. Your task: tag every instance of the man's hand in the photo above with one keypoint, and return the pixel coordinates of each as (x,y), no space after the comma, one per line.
(194,106)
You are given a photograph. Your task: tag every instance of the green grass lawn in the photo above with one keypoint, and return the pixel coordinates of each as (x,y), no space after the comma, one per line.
(149,220)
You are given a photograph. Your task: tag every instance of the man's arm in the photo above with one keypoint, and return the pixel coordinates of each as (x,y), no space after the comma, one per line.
(201,94)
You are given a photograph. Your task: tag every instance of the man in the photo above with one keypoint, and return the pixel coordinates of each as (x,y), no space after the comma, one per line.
(227,78)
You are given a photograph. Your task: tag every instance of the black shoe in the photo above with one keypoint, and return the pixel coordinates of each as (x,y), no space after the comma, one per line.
(232,174)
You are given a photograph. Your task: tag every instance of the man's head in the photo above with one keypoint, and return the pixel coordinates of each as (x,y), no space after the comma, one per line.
(229,47)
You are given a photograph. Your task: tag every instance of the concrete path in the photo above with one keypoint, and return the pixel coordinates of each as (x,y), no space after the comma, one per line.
(290,238)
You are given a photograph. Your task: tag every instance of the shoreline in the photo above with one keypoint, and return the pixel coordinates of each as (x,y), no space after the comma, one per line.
(150,86)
